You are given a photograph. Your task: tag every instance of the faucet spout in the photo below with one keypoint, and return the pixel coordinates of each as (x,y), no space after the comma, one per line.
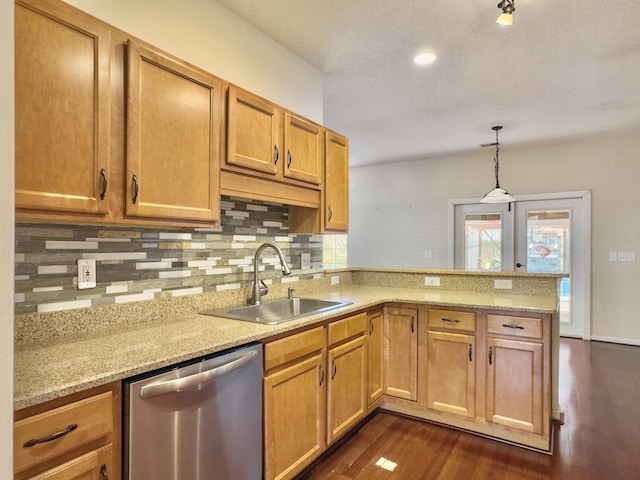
(257,290)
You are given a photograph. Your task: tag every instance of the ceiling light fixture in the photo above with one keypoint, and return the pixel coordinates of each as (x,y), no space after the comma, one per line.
(506,17)
(498,194)
(425,58)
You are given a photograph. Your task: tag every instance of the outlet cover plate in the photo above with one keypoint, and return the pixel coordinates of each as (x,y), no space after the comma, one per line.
(432,281)
(86,273)
(503,284)
(335,280)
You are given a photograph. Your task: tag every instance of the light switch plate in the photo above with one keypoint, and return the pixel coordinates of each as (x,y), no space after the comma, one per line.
(335,280)
(305,261)
(626,256)
(613,256)
(86,273)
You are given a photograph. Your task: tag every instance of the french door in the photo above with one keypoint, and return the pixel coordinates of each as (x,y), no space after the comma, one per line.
(536,234)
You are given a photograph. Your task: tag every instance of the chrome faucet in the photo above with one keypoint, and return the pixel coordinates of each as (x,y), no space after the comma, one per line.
(259,288)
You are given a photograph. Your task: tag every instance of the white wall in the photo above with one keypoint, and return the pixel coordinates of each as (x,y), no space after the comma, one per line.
(399,210)
(208,35)
(6,239)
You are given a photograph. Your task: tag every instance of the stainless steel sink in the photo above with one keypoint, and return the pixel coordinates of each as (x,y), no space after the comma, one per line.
(278,311)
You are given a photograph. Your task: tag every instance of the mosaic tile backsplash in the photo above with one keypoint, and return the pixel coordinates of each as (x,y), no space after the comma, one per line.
(141,264)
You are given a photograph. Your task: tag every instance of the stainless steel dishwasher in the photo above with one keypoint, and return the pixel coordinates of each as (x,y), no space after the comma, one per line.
(200,420)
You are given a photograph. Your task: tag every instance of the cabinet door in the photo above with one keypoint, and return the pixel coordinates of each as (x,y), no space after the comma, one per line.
(375,359)
(451,373)
(336,184)
(515,384)
(304,147)
(62,109)
(294,417)
(95,465)
(252,133)
(401,352)
(346,388)
(173,134)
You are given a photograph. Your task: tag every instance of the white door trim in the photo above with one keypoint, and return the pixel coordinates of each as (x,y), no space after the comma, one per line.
(585,285)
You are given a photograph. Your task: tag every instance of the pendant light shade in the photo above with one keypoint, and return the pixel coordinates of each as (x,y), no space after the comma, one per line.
(506,17)
(498,194)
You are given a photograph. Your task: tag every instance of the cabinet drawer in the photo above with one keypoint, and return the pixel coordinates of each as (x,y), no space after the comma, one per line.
(285,350)
(85,420)
(452,320)
(347,328)
(514,326)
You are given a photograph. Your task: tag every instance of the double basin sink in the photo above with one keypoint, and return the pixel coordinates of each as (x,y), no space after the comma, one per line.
(278,311)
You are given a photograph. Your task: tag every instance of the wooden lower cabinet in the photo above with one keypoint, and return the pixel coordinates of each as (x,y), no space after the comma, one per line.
(91,466)
(451,373)
(375,356)
(76,437)
(401,352)
(515,384)
(346,394)
(483,371)
(294,403)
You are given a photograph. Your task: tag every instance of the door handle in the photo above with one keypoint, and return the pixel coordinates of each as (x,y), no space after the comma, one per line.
(197,380)
(520,265)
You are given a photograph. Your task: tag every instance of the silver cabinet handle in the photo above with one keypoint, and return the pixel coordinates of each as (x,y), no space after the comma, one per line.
(197,380)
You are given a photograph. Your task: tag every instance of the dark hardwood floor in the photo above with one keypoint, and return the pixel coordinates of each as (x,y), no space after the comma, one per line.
(599,395)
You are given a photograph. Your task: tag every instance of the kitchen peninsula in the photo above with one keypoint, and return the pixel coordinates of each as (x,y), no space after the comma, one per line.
(426,327)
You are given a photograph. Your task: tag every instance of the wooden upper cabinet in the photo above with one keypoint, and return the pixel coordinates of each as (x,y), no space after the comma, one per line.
(252,132)
(61,109)
(173,135)
(336,186)
(304,149)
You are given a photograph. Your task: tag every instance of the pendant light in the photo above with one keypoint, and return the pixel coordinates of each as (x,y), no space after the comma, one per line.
(498,194)
(506,17)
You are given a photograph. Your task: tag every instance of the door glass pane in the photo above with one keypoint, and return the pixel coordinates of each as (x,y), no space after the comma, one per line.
(549,249)
(483,242)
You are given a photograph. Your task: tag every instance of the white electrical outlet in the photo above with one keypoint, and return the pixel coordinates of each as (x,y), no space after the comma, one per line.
(432,281)
(305,260)
(86,273)
(502,284)
(335,280)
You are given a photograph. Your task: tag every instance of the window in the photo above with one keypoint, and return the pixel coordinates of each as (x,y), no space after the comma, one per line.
(334,251)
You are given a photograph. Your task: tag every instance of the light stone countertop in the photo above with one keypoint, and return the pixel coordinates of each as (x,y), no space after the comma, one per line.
(49,369)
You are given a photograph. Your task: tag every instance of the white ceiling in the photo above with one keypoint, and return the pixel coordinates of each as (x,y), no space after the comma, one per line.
(565,68)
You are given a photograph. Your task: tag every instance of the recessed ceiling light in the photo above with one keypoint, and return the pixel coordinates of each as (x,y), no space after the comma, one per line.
(425,58)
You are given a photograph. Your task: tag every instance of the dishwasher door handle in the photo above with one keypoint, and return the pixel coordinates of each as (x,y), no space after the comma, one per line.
(198,380)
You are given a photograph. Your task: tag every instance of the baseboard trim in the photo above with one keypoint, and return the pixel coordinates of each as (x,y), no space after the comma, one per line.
(624,341)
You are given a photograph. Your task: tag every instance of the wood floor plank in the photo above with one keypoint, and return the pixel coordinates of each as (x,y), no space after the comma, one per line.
(599,394)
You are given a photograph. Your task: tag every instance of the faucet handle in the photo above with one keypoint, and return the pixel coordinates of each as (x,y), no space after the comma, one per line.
(290,292)
(263,289)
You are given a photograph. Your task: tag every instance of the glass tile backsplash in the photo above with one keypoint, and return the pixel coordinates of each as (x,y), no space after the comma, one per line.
(135,264)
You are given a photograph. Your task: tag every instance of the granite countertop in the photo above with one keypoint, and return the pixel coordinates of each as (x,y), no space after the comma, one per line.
(53,368)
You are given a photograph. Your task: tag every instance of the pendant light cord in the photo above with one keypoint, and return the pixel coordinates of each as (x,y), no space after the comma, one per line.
(496,161)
